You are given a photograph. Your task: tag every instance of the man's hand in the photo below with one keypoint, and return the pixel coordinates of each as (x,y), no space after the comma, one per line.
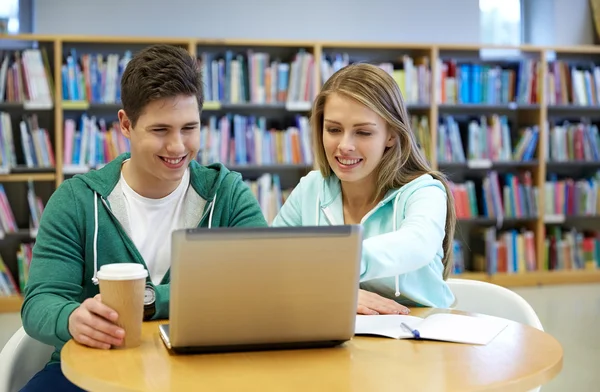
(92,324)
(371,303)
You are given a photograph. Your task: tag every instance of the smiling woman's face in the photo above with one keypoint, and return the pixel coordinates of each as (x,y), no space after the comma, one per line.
(354,138)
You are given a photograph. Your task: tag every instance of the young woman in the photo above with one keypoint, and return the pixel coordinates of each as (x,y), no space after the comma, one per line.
(371,172)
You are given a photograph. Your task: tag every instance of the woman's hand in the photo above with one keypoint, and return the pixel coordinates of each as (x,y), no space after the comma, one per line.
(370,303)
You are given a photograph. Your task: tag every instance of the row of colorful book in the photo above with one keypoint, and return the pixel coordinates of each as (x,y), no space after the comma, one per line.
(459,261)
(573,142)
(8,223)
(243,140)
(487,138)
(25,77)
(92,141)
(230,139)
(513,251)
(467,82)
(498,197)
(257,77)
(572,197)
(34,142)
(9,284)
(506,251)
(95,78)
(569,249)
(267,190)
(413,75)
(422,132)
(575,83)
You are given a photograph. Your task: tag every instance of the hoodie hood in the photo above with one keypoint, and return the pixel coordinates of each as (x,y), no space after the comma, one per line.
(205,180)
(329,201)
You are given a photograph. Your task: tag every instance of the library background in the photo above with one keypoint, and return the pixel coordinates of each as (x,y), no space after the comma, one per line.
(505,107)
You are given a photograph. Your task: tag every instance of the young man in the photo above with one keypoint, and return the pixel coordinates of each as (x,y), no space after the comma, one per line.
(126,211)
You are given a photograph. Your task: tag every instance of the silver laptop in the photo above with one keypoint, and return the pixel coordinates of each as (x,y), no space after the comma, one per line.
(246,289)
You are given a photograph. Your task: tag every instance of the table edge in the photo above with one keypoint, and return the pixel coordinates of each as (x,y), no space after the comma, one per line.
(528,382)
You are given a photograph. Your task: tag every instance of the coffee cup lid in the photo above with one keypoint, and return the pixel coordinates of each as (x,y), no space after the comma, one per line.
(122,271)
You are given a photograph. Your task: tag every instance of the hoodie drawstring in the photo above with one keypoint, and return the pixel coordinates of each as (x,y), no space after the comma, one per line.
(212,208)
(395,227)
(94,278)
(317,210)
(394,224)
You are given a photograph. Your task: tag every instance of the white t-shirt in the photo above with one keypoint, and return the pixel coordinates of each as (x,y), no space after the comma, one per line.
(152,221)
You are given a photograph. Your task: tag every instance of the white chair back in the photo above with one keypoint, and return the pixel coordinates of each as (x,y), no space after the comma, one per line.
(493,300)
(20,359)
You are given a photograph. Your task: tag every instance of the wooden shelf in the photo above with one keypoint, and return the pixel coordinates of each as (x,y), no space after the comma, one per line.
(11,304)
(506,221)
(270,167)
(484,107)
(24,177)
(530,114)
(485,165)
(537,278)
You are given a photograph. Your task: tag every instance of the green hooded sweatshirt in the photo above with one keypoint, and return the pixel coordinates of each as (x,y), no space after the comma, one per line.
(79,232)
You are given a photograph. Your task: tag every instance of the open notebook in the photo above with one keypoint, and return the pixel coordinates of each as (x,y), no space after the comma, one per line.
(441,326)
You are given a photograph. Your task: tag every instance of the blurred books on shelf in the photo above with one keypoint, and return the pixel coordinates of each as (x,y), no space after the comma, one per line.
(257,77)
(413,75)
(33,141)
(512,251)
(571,249)
(243,140)
(511,196)
(270,196)
(576,83)
(422,131)
(466,82)
(572,197)
(573,142)
(506,251)
(488,139)
(92,142)
(25,78)
(94,78)
(481,121)
(9,286)
(8,222)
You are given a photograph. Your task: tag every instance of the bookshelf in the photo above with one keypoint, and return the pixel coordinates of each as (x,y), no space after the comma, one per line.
(507,131)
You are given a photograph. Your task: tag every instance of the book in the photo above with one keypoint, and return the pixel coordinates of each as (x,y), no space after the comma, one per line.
(441,326)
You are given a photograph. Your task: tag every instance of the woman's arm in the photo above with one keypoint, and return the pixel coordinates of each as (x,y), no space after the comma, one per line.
(414,244)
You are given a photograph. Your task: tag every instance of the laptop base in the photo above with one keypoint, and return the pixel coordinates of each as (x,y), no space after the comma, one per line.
(164,334)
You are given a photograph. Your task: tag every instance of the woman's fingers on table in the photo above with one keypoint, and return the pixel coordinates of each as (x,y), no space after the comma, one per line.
(371,303)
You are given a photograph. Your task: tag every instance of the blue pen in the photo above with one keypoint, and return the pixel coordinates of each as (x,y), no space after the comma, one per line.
(415,332)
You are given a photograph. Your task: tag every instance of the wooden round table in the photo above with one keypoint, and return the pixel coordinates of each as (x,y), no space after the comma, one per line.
(520,358)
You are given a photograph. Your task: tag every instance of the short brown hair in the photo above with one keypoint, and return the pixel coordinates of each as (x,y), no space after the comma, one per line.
(156,72)
(403,162)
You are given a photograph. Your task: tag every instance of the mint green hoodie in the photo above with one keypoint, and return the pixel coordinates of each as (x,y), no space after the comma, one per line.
(79,232)
(403,235)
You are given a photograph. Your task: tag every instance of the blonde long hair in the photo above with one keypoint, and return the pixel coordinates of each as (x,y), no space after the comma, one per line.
(401,163)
